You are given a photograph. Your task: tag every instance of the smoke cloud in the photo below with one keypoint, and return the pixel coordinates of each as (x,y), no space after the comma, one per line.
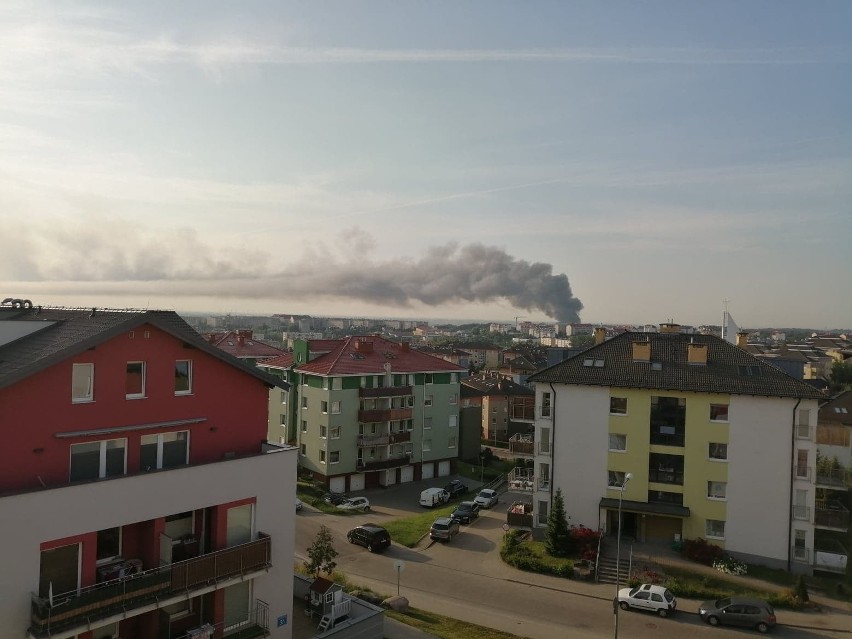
(113,259)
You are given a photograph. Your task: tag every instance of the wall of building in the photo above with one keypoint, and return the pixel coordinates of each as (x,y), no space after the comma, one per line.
(232,404)
(34,517)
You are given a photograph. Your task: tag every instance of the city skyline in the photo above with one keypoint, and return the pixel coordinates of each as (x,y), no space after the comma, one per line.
(380,159)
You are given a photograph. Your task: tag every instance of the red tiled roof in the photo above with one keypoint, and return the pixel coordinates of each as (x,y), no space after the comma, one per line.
(323,345)
(369,354)
(242,344)
(284,361)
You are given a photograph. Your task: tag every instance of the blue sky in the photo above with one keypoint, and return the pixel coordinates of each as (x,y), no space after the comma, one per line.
(431,159)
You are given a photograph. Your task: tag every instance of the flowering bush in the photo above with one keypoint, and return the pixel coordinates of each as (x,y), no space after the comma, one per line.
(729,565)
(585,542)
(702,551)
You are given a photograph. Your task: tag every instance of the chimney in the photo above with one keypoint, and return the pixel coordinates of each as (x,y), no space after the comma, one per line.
(670,327)
(600,335)
(364,346)
(742,339)
(696,354)
(403,347)
(642,351)
(241,339)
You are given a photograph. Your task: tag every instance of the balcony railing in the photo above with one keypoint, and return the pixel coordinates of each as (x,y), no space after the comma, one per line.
(373,440)
(385,464)
(390,391)
(666,476)
(831,514)
(384,414)
(802,513)
(90,604)
(255,627)
(802,472)
(522,479)
(835,478)
(400,437)
(667,439)
(522,445)
(522,412)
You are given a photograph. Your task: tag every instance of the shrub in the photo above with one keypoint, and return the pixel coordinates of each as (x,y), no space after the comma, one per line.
(702,551)
(729,565)
(801,590)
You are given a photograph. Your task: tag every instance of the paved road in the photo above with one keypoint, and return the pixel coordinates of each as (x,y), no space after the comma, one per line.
(466,579)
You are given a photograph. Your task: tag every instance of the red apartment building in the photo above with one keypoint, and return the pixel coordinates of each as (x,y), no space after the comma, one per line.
(138,495)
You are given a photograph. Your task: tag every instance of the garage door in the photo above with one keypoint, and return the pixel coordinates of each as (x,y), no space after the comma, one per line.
(428,470)
(356,482)
(387,477)
(406,474)
(443,468)
(337,484)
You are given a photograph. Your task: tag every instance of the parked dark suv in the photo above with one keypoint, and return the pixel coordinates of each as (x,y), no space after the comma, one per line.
(738,611)
(444,528)
(466,512)
(456,488)
(372,536)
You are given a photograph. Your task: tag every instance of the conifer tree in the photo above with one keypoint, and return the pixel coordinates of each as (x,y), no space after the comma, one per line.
(557,536)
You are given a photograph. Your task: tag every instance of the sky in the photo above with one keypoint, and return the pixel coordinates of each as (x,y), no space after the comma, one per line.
(614,162)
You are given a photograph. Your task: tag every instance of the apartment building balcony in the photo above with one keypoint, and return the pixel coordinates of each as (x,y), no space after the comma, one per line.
(389,391)
(369,441)
(74,612)
(384,415)
(522,446)
(521,479)
(385,464)
(400,437)
(522,412)
(833,478)
(832,515)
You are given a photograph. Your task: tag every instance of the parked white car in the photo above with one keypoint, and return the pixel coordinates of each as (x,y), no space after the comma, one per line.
(298,504)
(648,597)
(355,503)
(486,498)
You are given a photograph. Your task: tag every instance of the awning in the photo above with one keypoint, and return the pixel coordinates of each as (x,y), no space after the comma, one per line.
(669,510)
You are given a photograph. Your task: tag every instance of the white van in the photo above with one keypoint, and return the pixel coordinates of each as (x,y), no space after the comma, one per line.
(432,497)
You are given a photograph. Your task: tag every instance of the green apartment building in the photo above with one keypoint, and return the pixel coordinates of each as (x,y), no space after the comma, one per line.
(372,412)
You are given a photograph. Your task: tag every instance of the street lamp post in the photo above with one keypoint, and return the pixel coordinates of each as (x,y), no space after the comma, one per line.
(615,605)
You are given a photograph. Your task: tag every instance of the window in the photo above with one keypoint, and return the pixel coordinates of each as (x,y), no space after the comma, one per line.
(718,451)
(664,497)
(303,449)
(323,432)
(166,450)
(803,429)
(304,402)
(334,432)
(304,425)
(665,469)
(542,512)
(326,383)
(427,445)
(82,382)
(336,383)
(429,378)
(545,404)
(427,423)
(409,424)
(615,478)
(454,378)
(617,405)
(451,443)
(283,397)
(283,419)
(454,398)
(668,420)
(134,380)
(427,401)
(96,460)
(108,545)
(617,442)
(718,412)
(322,457)
(324,407)
(335,408)
(334,457)
(454,421)
(544,441)
(183,379)
(716,489)
(714,529)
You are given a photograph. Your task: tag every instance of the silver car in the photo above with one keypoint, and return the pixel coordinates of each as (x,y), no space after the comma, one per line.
(486,498)
(738,611)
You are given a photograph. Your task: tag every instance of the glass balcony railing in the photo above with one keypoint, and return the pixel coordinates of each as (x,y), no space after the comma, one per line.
(62,612)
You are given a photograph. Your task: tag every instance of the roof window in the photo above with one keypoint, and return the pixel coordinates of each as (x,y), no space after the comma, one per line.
(656,366)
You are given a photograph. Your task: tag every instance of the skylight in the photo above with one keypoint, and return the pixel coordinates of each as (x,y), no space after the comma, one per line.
(589,362)
(656,366)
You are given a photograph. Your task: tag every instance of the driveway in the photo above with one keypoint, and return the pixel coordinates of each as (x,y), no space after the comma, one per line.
(466,579)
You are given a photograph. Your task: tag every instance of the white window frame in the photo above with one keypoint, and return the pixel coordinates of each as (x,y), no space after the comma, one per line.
(616,449)
(108,560)
(717,490)
(618,412)
(322,456)
(334,457)
(336,383)
(454,421)
(141,394)
(428,378)
(324,407)
(427,423)
(102,460)
(454,398)
(335,407)
(160,440)
(304,402)
(717,419)
(717,459)
(428,400)
(427,445)
(615,479)
(188,391)
(711,530)
(79,374)
(451,442)
(334,432)
(323,431)
(546,408)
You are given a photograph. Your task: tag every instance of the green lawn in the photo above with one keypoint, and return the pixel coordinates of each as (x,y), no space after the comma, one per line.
(446,627)
(408,530)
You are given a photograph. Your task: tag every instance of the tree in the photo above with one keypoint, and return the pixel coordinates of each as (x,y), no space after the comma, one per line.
(801,590)
(557,537)
(321,554)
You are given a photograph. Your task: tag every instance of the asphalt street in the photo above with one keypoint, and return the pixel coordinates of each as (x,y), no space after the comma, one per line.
(466,579)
